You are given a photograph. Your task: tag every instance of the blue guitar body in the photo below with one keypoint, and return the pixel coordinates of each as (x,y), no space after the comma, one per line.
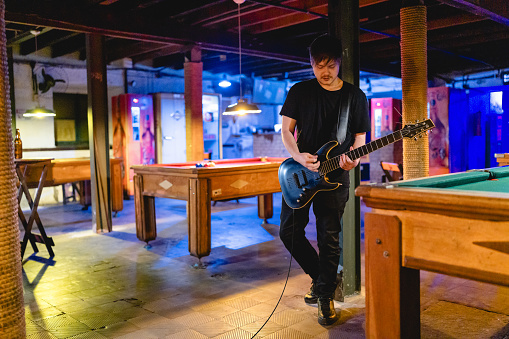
(299,185)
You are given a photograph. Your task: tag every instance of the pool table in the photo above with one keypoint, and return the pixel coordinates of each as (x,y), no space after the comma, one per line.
(69,170)
(502,159)
(228,179)
(454,224)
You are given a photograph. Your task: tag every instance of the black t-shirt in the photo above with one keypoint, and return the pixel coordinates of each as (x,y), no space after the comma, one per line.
(316,111)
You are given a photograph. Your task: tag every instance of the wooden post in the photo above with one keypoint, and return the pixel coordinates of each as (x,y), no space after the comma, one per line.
(198,216)
(98,134)
(193,99)
(265,207)
(145,211)
(392,291)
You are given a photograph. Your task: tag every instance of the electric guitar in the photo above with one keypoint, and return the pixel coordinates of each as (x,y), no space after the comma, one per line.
(299,184)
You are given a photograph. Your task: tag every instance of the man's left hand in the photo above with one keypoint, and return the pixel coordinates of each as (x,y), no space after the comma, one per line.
(346,163)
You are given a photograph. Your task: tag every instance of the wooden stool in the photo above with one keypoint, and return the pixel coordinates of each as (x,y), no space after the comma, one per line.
(23,167)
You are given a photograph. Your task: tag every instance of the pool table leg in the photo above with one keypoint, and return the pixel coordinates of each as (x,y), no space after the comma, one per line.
(145,210)
(265,209)
(392,291)
(198,216)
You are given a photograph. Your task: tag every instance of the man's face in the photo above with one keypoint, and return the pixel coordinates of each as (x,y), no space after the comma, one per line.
(326,71)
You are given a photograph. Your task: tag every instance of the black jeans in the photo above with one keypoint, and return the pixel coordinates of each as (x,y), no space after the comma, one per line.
(328,207)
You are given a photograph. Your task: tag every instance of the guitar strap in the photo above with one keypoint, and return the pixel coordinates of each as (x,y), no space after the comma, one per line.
(344,112)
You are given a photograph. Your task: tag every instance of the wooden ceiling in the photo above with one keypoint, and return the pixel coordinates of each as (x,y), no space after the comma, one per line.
(464,36)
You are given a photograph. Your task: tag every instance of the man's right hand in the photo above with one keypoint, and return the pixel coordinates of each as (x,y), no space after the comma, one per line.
(309,161)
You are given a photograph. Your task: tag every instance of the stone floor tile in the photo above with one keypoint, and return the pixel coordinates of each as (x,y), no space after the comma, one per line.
(235,334)
(151,321)
(262,327)
(187,334)
(310,326)
(193,319)
(213,328)
(449,320)
(240,318)
(288,333)
(118,329)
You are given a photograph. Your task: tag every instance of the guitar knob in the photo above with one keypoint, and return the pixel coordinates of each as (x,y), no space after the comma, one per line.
(300,195)
(298,200)
(303,190)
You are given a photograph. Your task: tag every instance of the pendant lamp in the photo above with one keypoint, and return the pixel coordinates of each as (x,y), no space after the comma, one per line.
(242,107)
(38,111)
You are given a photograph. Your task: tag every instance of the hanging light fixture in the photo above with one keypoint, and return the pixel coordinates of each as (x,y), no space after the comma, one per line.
(242,107)
(38,111)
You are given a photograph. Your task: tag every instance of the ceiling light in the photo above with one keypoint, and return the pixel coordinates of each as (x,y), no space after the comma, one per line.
(39,112)
(224,84)
(242,106)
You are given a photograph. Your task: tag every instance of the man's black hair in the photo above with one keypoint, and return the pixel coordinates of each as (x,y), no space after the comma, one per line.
(325,47)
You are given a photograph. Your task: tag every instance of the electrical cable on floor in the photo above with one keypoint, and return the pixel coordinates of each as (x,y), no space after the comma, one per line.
(287,276)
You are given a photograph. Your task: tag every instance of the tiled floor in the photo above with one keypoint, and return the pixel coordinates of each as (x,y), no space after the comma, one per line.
(111,286)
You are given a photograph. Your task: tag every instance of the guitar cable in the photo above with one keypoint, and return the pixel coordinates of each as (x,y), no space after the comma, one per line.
(287,276)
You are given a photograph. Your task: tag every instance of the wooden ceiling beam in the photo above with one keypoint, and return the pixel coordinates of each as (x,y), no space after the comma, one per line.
(262,23)
(121,48)
(143,29)
(74,44)
(459,19)
(496,10)
(166,50)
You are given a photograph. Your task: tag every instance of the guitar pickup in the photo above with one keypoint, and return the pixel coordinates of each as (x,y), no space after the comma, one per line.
(297,181)
(305,178)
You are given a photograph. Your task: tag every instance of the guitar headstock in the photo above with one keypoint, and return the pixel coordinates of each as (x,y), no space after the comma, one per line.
(417,129)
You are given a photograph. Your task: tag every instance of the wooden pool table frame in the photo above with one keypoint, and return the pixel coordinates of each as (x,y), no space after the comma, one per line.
(63,171)
(230,179)
(458,233)
(502,159)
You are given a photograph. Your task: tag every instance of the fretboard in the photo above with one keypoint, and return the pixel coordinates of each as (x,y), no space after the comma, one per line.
(333,163)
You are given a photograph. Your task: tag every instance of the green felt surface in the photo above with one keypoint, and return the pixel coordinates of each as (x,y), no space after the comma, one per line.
(494,179)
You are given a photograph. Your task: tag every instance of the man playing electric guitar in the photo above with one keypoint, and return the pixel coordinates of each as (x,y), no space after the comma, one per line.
(318,111)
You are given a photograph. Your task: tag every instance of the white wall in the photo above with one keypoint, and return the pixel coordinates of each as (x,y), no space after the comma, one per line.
(40,132)
(35,132)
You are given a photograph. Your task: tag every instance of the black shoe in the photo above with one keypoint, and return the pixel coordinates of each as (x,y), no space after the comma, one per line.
(311,297)
(326,312)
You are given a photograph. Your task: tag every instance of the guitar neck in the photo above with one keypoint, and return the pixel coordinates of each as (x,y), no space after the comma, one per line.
(333,163)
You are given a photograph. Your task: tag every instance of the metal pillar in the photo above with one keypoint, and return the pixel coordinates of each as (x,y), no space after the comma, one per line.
(98,134)
(344,24)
